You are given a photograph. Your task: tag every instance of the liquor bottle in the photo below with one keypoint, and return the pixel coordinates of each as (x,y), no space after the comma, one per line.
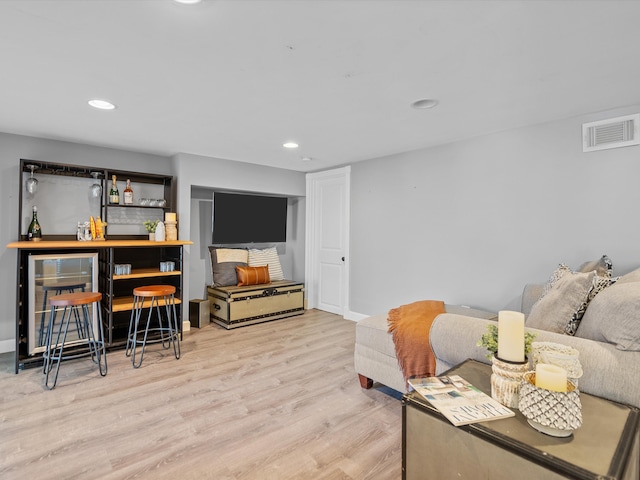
(128,194)
(114,195)
(35,232)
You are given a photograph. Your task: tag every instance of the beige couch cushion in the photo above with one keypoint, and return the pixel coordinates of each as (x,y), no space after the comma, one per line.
(560,305)
(613,316)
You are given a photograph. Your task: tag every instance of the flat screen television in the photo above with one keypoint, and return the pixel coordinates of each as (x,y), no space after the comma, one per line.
(241,218)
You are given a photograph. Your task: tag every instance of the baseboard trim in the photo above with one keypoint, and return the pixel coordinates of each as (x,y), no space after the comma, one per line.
(355,316)
(7,346)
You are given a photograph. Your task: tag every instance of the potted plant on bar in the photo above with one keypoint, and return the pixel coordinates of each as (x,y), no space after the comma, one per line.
(506,373)
(150,227)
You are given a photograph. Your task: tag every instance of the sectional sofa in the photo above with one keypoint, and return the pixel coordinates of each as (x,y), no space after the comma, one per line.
(587,309)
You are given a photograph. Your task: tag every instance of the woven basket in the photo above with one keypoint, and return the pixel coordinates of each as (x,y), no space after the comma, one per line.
(506,378)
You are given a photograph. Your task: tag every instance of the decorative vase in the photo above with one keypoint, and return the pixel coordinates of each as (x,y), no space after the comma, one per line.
(555,413)
(506,378)
(160,232)
(152,236)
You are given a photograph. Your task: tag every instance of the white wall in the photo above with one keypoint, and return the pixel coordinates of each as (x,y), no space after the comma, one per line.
(473,221)
(199,176)
(12,149)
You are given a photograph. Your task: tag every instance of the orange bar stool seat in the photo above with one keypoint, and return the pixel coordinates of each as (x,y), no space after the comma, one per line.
(158,300)
(91,333)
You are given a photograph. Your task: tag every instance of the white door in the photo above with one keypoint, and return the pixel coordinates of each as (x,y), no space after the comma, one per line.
(327,282)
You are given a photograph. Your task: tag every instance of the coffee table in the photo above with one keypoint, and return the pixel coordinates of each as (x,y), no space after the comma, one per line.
(606,446)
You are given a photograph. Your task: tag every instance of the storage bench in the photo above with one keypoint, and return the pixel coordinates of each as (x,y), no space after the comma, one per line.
(234,306)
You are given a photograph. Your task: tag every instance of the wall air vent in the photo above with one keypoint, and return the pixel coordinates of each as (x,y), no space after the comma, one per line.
(611,133)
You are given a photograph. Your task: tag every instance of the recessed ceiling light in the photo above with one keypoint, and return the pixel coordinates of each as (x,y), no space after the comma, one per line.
(102,104)
(187,2)
(305,159)
(290,145)
(425,103)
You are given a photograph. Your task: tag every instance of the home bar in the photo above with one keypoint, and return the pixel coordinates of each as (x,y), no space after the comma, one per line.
(68,198)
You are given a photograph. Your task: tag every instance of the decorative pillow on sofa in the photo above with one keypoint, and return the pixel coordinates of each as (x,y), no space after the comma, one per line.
(562,303)
(557,274)
(224,262)
(633,276)
(252,275)
(598,284)
(268,256)
(603,266)
(614,317)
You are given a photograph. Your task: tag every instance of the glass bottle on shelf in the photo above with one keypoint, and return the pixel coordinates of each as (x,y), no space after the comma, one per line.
(34,233)
(114,194)
(128,194)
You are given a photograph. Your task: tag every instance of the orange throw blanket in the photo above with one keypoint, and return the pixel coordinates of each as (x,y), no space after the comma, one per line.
(410,325)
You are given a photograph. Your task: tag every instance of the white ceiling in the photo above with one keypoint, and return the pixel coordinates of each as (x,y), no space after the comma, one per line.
(236,79)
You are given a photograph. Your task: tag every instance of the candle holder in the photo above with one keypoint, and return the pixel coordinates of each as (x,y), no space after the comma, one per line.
(506,378)
(556,414)
(559,355)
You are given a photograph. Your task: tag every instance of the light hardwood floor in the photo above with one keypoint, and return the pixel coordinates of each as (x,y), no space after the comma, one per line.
(277,400)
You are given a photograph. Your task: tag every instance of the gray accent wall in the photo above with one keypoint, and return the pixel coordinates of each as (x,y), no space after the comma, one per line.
(471,222)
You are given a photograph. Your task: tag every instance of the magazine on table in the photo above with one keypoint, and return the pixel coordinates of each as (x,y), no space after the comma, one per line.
(458,400)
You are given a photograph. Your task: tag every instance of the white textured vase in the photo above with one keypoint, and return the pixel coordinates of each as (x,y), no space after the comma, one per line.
(506,378)
(160,232)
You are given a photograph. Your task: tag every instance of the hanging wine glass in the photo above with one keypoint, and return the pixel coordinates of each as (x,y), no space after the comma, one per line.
(31,183)
(95,190)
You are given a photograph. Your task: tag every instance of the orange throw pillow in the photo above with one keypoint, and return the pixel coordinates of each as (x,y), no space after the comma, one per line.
(253,275)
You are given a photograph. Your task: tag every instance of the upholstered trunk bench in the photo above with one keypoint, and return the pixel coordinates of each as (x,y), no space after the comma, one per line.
(235,306)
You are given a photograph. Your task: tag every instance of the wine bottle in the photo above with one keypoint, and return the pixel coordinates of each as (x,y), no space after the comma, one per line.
(34,233)
(114,194)
(128,194)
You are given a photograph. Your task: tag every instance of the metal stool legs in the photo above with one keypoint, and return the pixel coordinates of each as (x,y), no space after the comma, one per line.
(57,288)
(76,304)
(168,335)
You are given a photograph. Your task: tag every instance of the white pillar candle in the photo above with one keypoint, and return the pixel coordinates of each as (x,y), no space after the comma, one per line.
(511,336)
(551,377)
(170,217)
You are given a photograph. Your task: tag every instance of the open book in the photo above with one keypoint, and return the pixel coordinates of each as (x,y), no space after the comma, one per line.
(458,400)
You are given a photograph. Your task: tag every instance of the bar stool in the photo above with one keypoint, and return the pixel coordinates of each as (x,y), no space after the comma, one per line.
(58,287)
(158,295)
(76,304)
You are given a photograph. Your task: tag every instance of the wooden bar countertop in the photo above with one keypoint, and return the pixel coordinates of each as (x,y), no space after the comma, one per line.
(71,244)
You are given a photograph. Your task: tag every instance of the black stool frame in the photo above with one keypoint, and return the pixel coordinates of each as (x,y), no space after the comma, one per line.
(171,330)
(54,352)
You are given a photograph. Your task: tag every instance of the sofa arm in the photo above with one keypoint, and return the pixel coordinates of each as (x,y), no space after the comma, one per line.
(454,339)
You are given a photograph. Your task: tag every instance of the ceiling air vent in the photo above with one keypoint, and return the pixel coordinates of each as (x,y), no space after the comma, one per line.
(611,133)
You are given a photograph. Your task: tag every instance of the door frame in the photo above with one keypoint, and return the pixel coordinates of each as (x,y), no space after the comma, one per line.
(311,235)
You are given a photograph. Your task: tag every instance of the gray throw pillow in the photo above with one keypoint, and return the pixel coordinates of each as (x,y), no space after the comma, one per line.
(599,284)
(224,262)
(562,303)
(613,316)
